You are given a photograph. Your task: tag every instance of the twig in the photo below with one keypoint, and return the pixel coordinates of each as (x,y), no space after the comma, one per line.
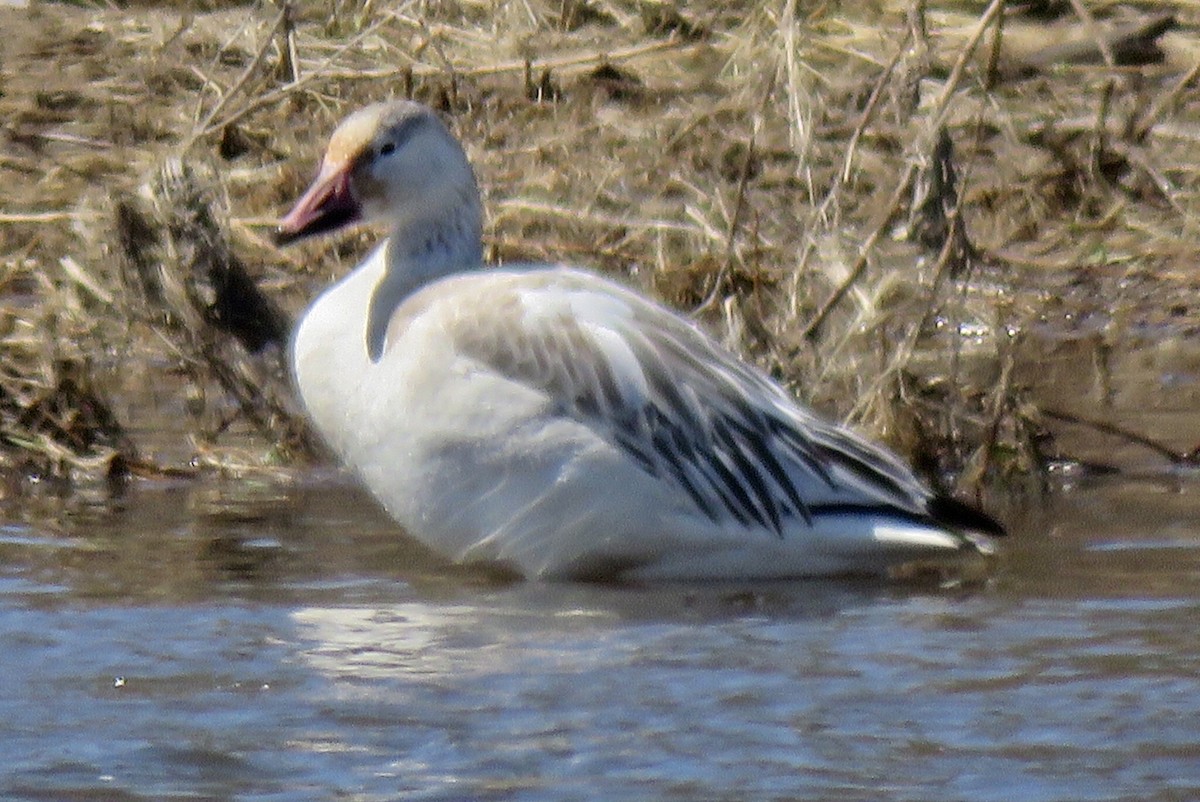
(734,223)
(739,203)
(72,139)
(941,107)
(904,351)
(44,217)
(291,59)
(1000,397)
(1161,103)
(77,274)
(1097,139)
(801,140)
(843,174)
(992,74)
(598,218)
(323,72)
(447,65)
(956,73)
(1105,427)
(1138,158)
(279,93)
(1126,42)
(243,79)
(1093,30)
(860,263)
(868,114)
(562,63)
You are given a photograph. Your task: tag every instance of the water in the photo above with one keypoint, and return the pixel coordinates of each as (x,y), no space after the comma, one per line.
(256,642)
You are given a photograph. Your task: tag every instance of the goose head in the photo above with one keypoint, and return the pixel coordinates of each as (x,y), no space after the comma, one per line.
(393,163)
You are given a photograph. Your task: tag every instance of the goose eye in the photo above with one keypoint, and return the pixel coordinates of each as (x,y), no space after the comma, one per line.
(387,149)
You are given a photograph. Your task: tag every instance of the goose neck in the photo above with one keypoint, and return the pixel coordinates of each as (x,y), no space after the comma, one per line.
(420,251)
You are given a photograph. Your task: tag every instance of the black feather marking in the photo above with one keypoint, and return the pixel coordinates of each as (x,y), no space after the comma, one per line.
(737,449)
(674,400)
(729,481)
(859,463)
(679,472)
(588,406)
(662,382)
(670,443)
(630,445)
(682,443)
(709,472)
(766,456)
(803,450)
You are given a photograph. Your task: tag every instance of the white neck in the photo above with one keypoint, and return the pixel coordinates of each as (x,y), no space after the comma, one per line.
(420,250)
(345,329)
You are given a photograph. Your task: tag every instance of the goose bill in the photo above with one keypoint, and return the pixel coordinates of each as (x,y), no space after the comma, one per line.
(329,204)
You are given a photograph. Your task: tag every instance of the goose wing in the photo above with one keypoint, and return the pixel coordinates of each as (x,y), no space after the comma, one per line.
(685,409)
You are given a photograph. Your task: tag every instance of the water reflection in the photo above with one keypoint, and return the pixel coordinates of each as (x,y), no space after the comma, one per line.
(281,642)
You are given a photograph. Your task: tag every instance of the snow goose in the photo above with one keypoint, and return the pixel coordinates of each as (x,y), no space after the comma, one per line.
(555,422)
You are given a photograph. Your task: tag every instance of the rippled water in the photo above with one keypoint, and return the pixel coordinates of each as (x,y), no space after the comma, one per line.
(190,643)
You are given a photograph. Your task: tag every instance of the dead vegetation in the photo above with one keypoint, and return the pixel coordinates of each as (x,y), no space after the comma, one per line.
(898,211)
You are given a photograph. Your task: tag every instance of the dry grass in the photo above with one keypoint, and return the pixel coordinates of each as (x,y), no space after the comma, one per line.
(752,163)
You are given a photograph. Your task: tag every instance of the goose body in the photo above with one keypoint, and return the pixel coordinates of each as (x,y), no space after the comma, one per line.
(557,423)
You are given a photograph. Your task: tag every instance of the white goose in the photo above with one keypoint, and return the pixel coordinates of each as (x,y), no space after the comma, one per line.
(554,422)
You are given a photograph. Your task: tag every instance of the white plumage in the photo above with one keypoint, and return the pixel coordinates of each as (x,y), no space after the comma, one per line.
(555,422)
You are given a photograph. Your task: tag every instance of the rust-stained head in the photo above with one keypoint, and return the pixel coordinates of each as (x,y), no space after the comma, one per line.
(378,160)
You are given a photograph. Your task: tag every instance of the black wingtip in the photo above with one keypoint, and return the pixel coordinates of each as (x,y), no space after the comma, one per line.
(959,515)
